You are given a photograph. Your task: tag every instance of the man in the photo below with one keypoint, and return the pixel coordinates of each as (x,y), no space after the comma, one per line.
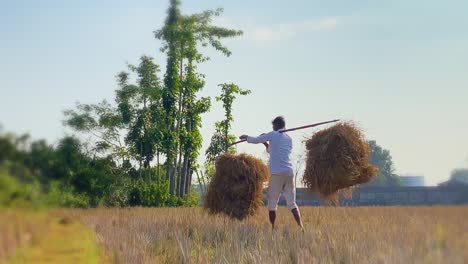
(279,146)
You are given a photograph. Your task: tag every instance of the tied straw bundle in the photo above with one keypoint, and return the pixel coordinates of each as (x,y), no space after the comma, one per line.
(337,159)
(237,186)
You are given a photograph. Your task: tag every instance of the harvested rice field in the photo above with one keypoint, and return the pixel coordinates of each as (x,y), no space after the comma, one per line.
(332,235)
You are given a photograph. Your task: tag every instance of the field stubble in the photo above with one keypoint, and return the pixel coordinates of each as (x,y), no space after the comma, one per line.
(333,235)
(19,227)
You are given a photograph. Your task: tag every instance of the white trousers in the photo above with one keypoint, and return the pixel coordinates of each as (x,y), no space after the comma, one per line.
(281,183)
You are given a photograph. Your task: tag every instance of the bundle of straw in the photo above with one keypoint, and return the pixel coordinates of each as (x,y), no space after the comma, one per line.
(237,186)
(337,159)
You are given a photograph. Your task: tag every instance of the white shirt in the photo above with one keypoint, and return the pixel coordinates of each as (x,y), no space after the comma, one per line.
(280,146)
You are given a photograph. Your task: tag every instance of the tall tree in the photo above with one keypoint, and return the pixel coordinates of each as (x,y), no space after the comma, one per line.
(136,119)
(181,35)
(157,119)
(141,111)
(171,39)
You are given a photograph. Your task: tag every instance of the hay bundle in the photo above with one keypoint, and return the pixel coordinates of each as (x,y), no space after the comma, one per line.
(237,186)
(337,159)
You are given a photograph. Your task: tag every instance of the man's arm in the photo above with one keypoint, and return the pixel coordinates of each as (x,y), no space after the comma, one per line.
(266,146)
(263,138)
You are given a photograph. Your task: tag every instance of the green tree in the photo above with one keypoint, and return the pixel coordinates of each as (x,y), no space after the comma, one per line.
(42,173)
(181,36)
(157,119)
(7,148)
(222,140)
(460,175)
(104,123)
(141,111)
(86,175)
(382,159)
(169,33)
(127,135)
(130,132)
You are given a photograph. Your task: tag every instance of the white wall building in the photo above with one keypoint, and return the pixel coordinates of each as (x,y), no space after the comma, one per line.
(412,180)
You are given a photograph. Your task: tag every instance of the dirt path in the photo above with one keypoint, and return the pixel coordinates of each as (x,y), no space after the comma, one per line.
(65,242)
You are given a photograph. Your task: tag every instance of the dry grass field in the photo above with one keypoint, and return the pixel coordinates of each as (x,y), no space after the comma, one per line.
(46,237)
(333,235)
(189,235)
(19,227)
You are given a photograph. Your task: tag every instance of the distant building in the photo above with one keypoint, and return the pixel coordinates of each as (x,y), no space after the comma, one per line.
(390,196)
(412,180)
(453,182)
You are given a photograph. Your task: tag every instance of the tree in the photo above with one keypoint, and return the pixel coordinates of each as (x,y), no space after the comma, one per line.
(14,151)
(460,175)
(104,123)
(7,147)
(222,140)
(63,170)
(136,119)
(159,119)
(141,111)
(382,159)
(181,35)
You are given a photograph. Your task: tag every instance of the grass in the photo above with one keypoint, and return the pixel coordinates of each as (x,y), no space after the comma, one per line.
(20,227)
(333,235)
(59,240)
(189,235)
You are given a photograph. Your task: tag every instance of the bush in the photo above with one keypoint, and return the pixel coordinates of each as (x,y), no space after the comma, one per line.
(118,194)
(15,194)
(190,200)
(149,194)
(58,196)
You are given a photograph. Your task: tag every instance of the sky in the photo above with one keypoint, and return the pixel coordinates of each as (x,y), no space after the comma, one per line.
(396,68)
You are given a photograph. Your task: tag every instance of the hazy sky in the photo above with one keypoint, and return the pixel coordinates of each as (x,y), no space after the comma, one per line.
(397,68)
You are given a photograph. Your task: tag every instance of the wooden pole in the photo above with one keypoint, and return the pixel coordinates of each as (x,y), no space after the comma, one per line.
(295,128)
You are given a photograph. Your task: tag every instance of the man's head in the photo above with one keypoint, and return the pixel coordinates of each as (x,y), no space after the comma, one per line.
(278,123)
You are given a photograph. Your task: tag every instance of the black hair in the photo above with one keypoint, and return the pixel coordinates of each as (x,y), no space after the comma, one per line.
(279,121)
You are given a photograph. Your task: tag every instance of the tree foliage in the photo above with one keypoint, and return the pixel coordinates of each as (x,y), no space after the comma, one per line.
(181,35)
(142,149)
(460,175)
(382,159)
(222,140)
(158,118)
(34,173)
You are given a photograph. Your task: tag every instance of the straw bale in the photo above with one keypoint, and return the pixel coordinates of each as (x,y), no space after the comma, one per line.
(237,186)
(337,160)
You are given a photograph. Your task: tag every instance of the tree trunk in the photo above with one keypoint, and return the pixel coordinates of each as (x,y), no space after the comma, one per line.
(157,164)
(179,176)
(185,172)
(201,180)
(170,168)
(189,182)
(147,168)
(183,177)
(186,164)
(169,173)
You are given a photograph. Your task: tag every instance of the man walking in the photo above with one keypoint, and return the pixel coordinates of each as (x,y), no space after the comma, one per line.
(279,145)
